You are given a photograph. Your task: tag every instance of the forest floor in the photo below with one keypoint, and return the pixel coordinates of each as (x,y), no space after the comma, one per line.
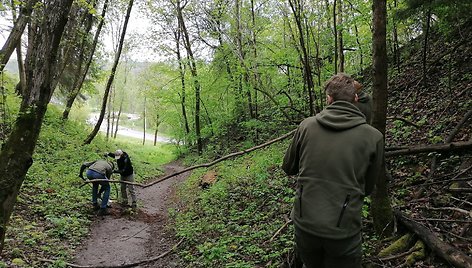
(126,237)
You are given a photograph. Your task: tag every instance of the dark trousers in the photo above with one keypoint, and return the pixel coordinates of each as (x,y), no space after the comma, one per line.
(318,252)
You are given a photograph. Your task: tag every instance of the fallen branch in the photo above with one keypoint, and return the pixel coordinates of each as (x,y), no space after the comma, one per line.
(452,255)
(442,220)
(224,158)
(403,120)
(401,255)
(460,190)
(120,266)
(289,134)
(453,146)
(460,210)
(449,139)
(280,230)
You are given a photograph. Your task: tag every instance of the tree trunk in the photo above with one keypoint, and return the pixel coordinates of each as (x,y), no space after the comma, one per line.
(20,87)
(16,153)
(453,256)
(381,207)
(182,80)
(193,70)
(109,111)
(396,46)
(118,117)
(297,10)
(447,147)
(78,84)
(335,29)
(144,121)
(425,44)
(112,76)
(15,35)
(340,44)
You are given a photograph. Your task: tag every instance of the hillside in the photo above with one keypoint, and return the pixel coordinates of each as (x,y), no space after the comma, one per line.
(241,220)
(53,213)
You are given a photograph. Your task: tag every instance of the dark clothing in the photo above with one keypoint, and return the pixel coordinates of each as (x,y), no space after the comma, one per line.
(337,157)
(105,188)
(125,168)
(97,170)
(364,104)
(101,166)
(318,252)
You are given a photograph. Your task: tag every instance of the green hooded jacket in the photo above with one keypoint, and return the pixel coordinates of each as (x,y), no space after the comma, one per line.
(364,104)
(337,157)
(101,166)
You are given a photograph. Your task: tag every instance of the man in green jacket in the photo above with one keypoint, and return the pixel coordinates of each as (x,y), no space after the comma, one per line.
(337,157)
(364,102)
(98,170)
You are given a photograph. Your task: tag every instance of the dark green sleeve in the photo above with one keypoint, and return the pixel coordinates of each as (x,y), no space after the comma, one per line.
(291,159)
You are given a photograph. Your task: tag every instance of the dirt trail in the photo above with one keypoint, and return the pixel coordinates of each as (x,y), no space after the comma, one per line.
(121,238)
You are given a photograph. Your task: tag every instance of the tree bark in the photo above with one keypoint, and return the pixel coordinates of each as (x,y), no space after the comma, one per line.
(94,132)
(340,44)
(297,10)
(182,79)
(193,70)
(16,153)
(14,38)
(381,206)
(19,55)
(445,251)
(447,147)
(425,44)
(78,85)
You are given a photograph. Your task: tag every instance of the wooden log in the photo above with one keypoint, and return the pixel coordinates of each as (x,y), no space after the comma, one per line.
(453,146)
(452,255)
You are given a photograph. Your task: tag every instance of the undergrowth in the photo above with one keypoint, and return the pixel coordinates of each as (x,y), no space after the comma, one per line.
(53,212)
(231,223)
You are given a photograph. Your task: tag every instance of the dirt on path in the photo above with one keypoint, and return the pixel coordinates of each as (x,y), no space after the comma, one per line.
(124,237)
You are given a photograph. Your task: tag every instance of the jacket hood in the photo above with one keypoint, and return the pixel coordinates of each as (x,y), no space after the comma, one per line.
(363,97)
(341,115)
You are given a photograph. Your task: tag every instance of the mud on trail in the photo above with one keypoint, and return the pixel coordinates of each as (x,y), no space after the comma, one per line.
(123,238)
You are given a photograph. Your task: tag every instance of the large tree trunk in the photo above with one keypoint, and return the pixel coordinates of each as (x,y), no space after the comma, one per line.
(452,255)
(81,77)
(15,35)
(425,44)
(182,79)
(112,76)
(340,43)
(118,116)
(241,55)
(335,30)
(298,15)
(17,151)
(381,207)
(193,70)
(19,56)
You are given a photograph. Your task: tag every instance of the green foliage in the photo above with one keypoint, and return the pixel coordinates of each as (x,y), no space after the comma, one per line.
(53,213)
(231,223)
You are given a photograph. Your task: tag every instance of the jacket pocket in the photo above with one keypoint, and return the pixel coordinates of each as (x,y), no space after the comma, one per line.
(346,203)
(300,200)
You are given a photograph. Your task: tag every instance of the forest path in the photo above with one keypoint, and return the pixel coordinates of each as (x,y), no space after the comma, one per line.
(121,238)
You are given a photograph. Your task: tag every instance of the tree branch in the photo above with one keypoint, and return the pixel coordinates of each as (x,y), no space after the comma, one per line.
(456,257)
(120,266)
(453,146)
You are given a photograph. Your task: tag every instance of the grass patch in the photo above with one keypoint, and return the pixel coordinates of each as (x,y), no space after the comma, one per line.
(231,223)
(52,214)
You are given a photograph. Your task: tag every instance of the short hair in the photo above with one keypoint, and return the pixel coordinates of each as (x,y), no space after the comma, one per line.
(341,87)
